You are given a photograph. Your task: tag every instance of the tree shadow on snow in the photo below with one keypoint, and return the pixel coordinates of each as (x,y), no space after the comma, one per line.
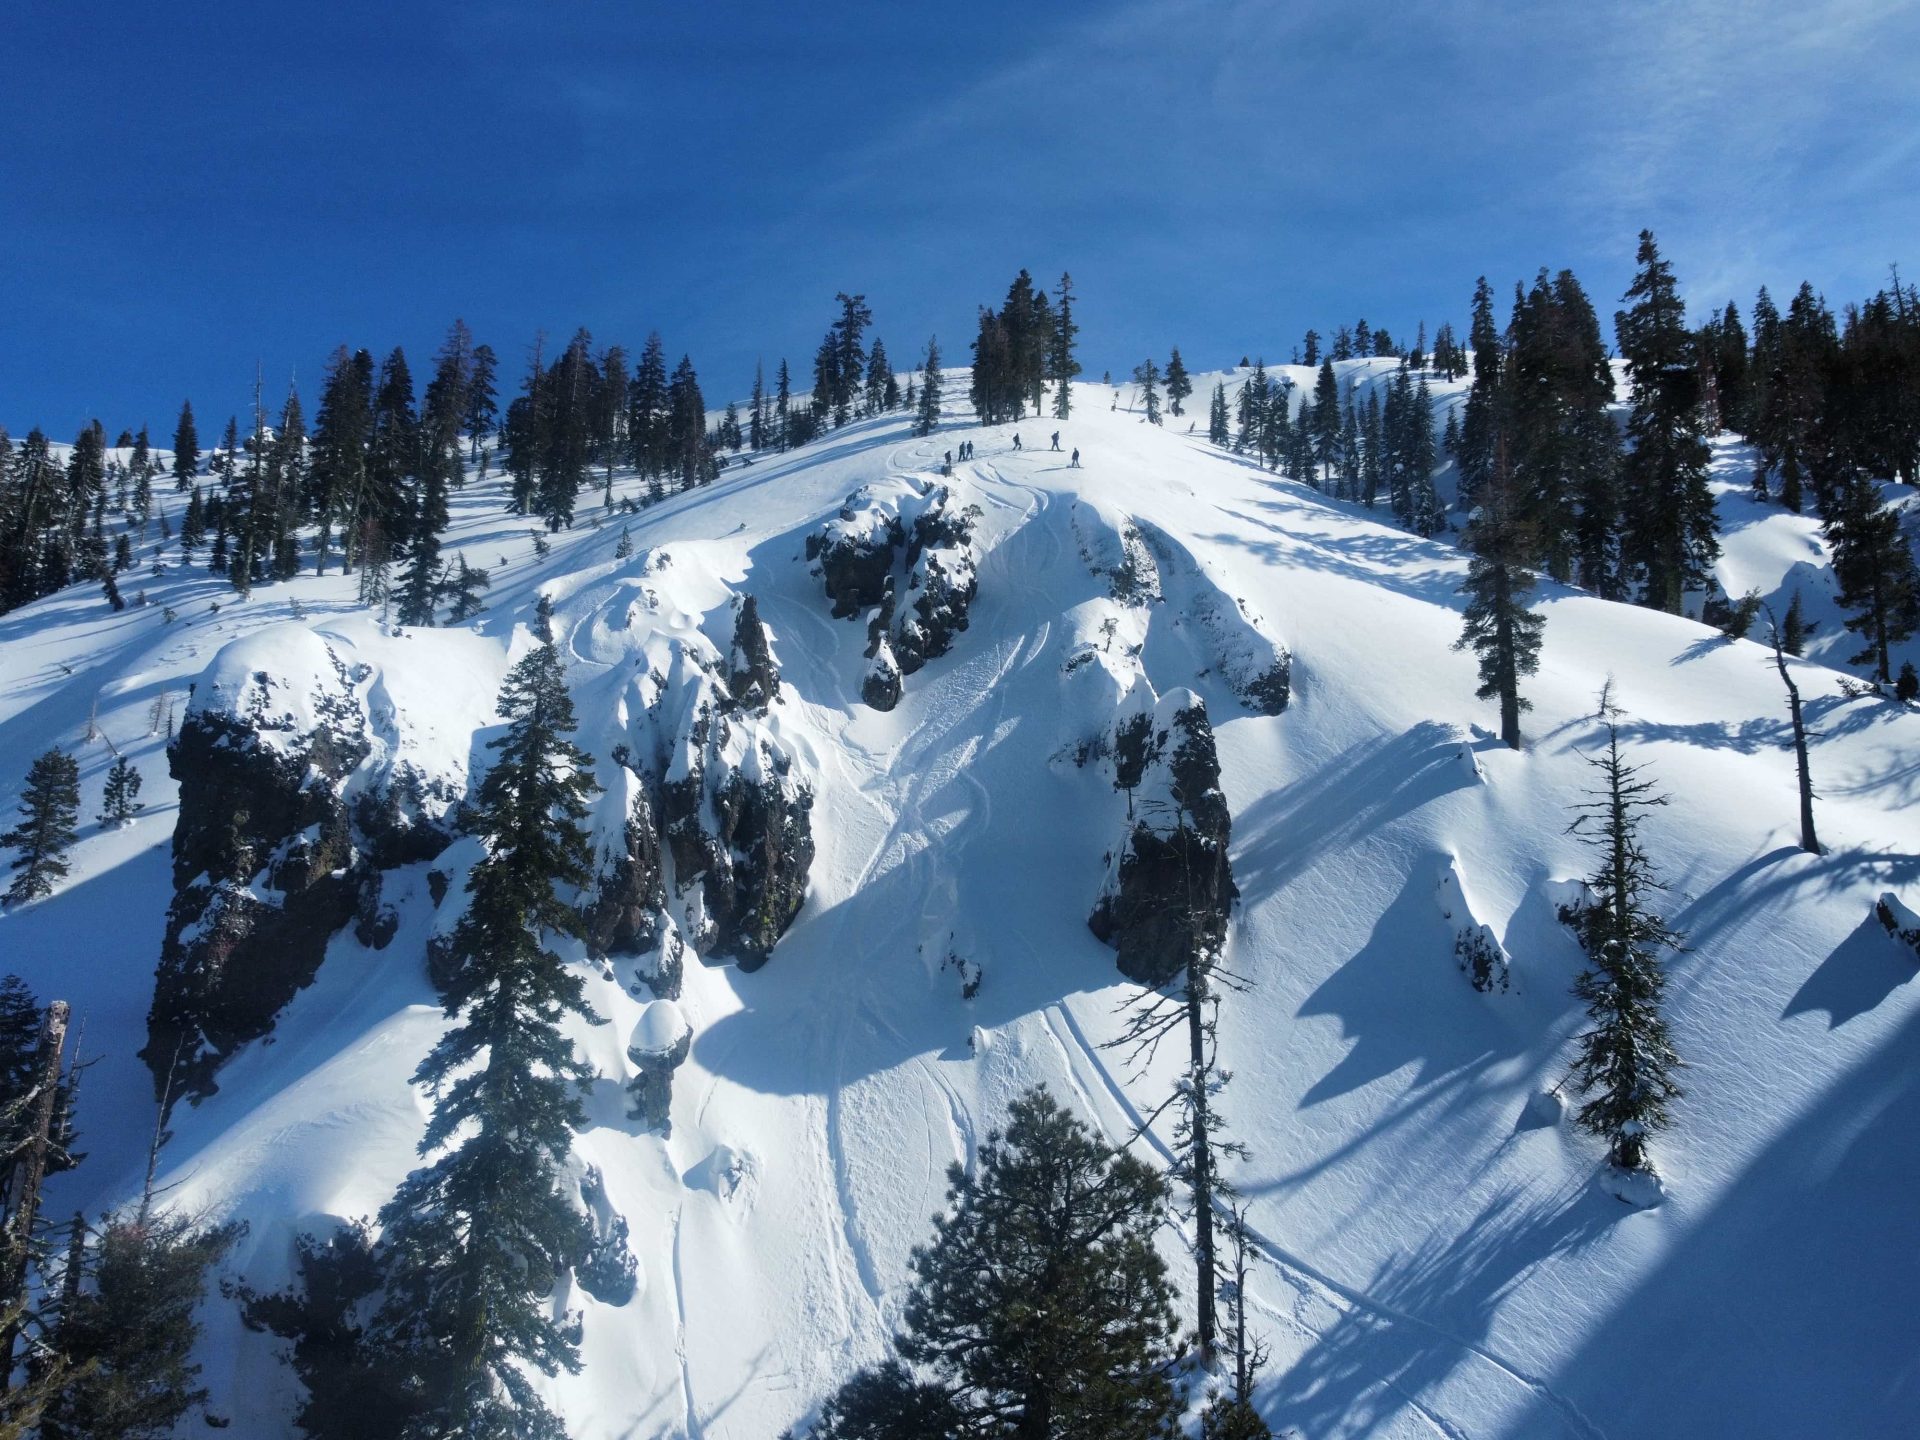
(1427,1314)
(1786,1308)
(1863,970)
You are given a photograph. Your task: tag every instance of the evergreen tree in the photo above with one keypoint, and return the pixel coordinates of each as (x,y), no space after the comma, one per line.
(879,376)
(757,411)
(477,1239)
(1179,386)
(341,428)
(1217,430)
(1479,418)
(571,388)
(1793,630)
(1147,376)
(1497,624)
(929,417)
(1668,537)
(1873,566)
(121,800)
(186,449)
(783,406)
(483,398)
(49,810)
(648,427)
(131,1333)
(1625,1063)
(1309,349)
(1327,419)
(848,356)
(1040,1309)
(687,434)
(465,585)
(1061,364)
(1906,685)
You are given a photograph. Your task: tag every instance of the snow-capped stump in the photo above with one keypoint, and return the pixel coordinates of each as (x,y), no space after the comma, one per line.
(1170,880)
(753,674)
(661,1041)
(1543,1110)
(904,548)
(608,1270)
(1477,949)
(1898,920)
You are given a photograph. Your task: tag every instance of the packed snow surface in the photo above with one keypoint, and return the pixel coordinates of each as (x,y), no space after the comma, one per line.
(1441,1255)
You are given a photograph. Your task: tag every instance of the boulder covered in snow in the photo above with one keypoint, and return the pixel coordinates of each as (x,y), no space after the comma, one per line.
(1899,921)
(661,1041)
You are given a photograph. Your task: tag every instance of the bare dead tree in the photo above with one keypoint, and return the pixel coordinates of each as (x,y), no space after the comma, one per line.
(1809,842)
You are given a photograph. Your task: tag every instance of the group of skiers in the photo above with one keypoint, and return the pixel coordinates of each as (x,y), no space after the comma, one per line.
(966,452)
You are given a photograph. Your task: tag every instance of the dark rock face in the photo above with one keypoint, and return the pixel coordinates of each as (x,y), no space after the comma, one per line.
(753,679)
(855,557)
(269,862)
(1173,889)
(626,913)
(908,559)
(248,813)
(749,846)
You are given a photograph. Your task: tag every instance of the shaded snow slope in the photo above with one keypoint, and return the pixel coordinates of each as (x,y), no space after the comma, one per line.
(1443,1262)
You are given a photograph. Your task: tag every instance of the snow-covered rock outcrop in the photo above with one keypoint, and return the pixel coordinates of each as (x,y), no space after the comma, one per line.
(902,549)
(292,798)
(1169,885)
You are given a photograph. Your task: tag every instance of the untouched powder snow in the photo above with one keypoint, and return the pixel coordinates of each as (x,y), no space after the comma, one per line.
(1440,1255)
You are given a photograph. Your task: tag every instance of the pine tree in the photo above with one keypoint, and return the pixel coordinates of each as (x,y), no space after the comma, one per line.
(1793,630)
(1147,376)
(1217,431)
(1327,420)
(186,449)
(1625,1063)
(1040,1309)
(131,1333)
(1670,522)
(929,416)
(1874,567)
(483,399)
(340,430)
(465,585)
(1061,364)
(757,411)
(687,426)
(121,800)
(1179,386)
(1479,418)
(1497,624)
(783,406)
(477,1238)
(647,413)
(49,810)
(849,358)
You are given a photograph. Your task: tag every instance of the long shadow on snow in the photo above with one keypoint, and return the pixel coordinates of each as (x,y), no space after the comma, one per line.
(1863,970)
(1368,786)
(1786,1309)
(1369,1366)
(1404,973)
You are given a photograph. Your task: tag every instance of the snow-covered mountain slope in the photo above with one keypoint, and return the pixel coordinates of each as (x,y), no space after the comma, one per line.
(1441,1260)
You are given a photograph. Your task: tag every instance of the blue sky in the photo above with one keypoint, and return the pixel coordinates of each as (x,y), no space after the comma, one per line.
(191,187)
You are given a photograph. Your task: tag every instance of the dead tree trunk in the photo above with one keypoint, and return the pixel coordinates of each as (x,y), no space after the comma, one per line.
(29,1170)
